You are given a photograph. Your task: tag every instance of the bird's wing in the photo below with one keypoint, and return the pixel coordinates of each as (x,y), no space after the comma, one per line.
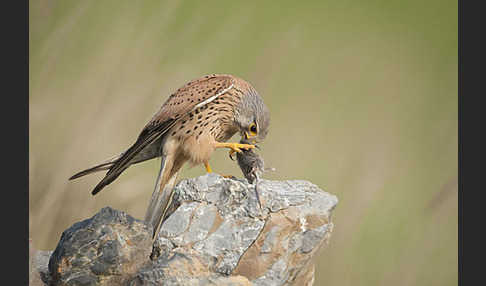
(186,99)
(191,96)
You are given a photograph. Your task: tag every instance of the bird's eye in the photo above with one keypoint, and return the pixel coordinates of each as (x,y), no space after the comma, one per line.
(253,129)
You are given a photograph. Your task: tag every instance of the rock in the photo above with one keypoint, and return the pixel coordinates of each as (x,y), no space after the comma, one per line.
(218,222)
(178,269)
(215,234)
(106,249)
(38,261)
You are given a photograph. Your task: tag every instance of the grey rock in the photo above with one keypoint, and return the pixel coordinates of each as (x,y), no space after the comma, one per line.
(202,221)
(229,234)
(38,260)
(102,250)
(276,275)
(270,240)
(215,234)
(179,221)
(312,238)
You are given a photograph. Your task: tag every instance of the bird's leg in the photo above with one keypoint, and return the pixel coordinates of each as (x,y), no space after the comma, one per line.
(209,170)
(232,152)
(235,147)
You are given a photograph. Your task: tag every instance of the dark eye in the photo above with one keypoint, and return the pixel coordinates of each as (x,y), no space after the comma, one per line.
(253,128)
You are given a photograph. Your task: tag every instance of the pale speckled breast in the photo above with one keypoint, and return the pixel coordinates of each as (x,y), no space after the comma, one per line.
(207,124)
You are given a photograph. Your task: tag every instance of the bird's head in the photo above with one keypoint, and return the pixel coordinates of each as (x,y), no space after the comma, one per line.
(252,117)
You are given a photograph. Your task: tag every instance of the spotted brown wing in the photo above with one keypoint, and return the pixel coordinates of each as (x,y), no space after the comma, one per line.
(191,96)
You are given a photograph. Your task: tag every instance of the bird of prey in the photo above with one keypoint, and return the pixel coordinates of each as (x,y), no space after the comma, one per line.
(195,120)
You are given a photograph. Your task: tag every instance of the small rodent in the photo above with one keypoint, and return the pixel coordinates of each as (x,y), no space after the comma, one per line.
(252,166)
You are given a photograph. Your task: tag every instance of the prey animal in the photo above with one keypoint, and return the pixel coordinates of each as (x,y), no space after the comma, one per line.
(252,166)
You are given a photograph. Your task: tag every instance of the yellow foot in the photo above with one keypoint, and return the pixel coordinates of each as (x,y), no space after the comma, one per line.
(209,170)
(235,147)
(227,176)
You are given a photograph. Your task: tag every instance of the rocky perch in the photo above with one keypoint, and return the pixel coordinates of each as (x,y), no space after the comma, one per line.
(216,234)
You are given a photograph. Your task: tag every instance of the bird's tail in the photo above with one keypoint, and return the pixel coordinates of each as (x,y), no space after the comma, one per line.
(147,153)
(162,194)
(100,167)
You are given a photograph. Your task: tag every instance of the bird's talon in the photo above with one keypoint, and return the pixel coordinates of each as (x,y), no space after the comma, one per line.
(238,146)
(231,152)
(227,176)
(235,147)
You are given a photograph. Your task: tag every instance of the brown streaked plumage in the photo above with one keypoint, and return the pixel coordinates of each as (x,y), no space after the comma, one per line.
(190,125)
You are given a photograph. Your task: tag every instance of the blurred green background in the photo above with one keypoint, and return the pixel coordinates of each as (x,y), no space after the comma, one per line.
(362,94)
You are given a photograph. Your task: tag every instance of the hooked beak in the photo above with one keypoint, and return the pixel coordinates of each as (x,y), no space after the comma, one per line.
(250,141)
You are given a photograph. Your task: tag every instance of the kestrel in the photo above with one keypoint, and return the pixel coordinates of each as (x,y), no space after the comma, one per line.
(195,120)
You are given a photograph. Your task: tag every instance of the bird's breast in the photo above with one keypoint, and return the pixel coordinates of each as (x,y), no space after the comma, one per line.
(200,129)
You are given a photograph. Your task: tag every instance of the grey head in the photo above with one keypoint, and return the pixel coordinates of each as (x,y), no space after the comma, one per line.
(253,117)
